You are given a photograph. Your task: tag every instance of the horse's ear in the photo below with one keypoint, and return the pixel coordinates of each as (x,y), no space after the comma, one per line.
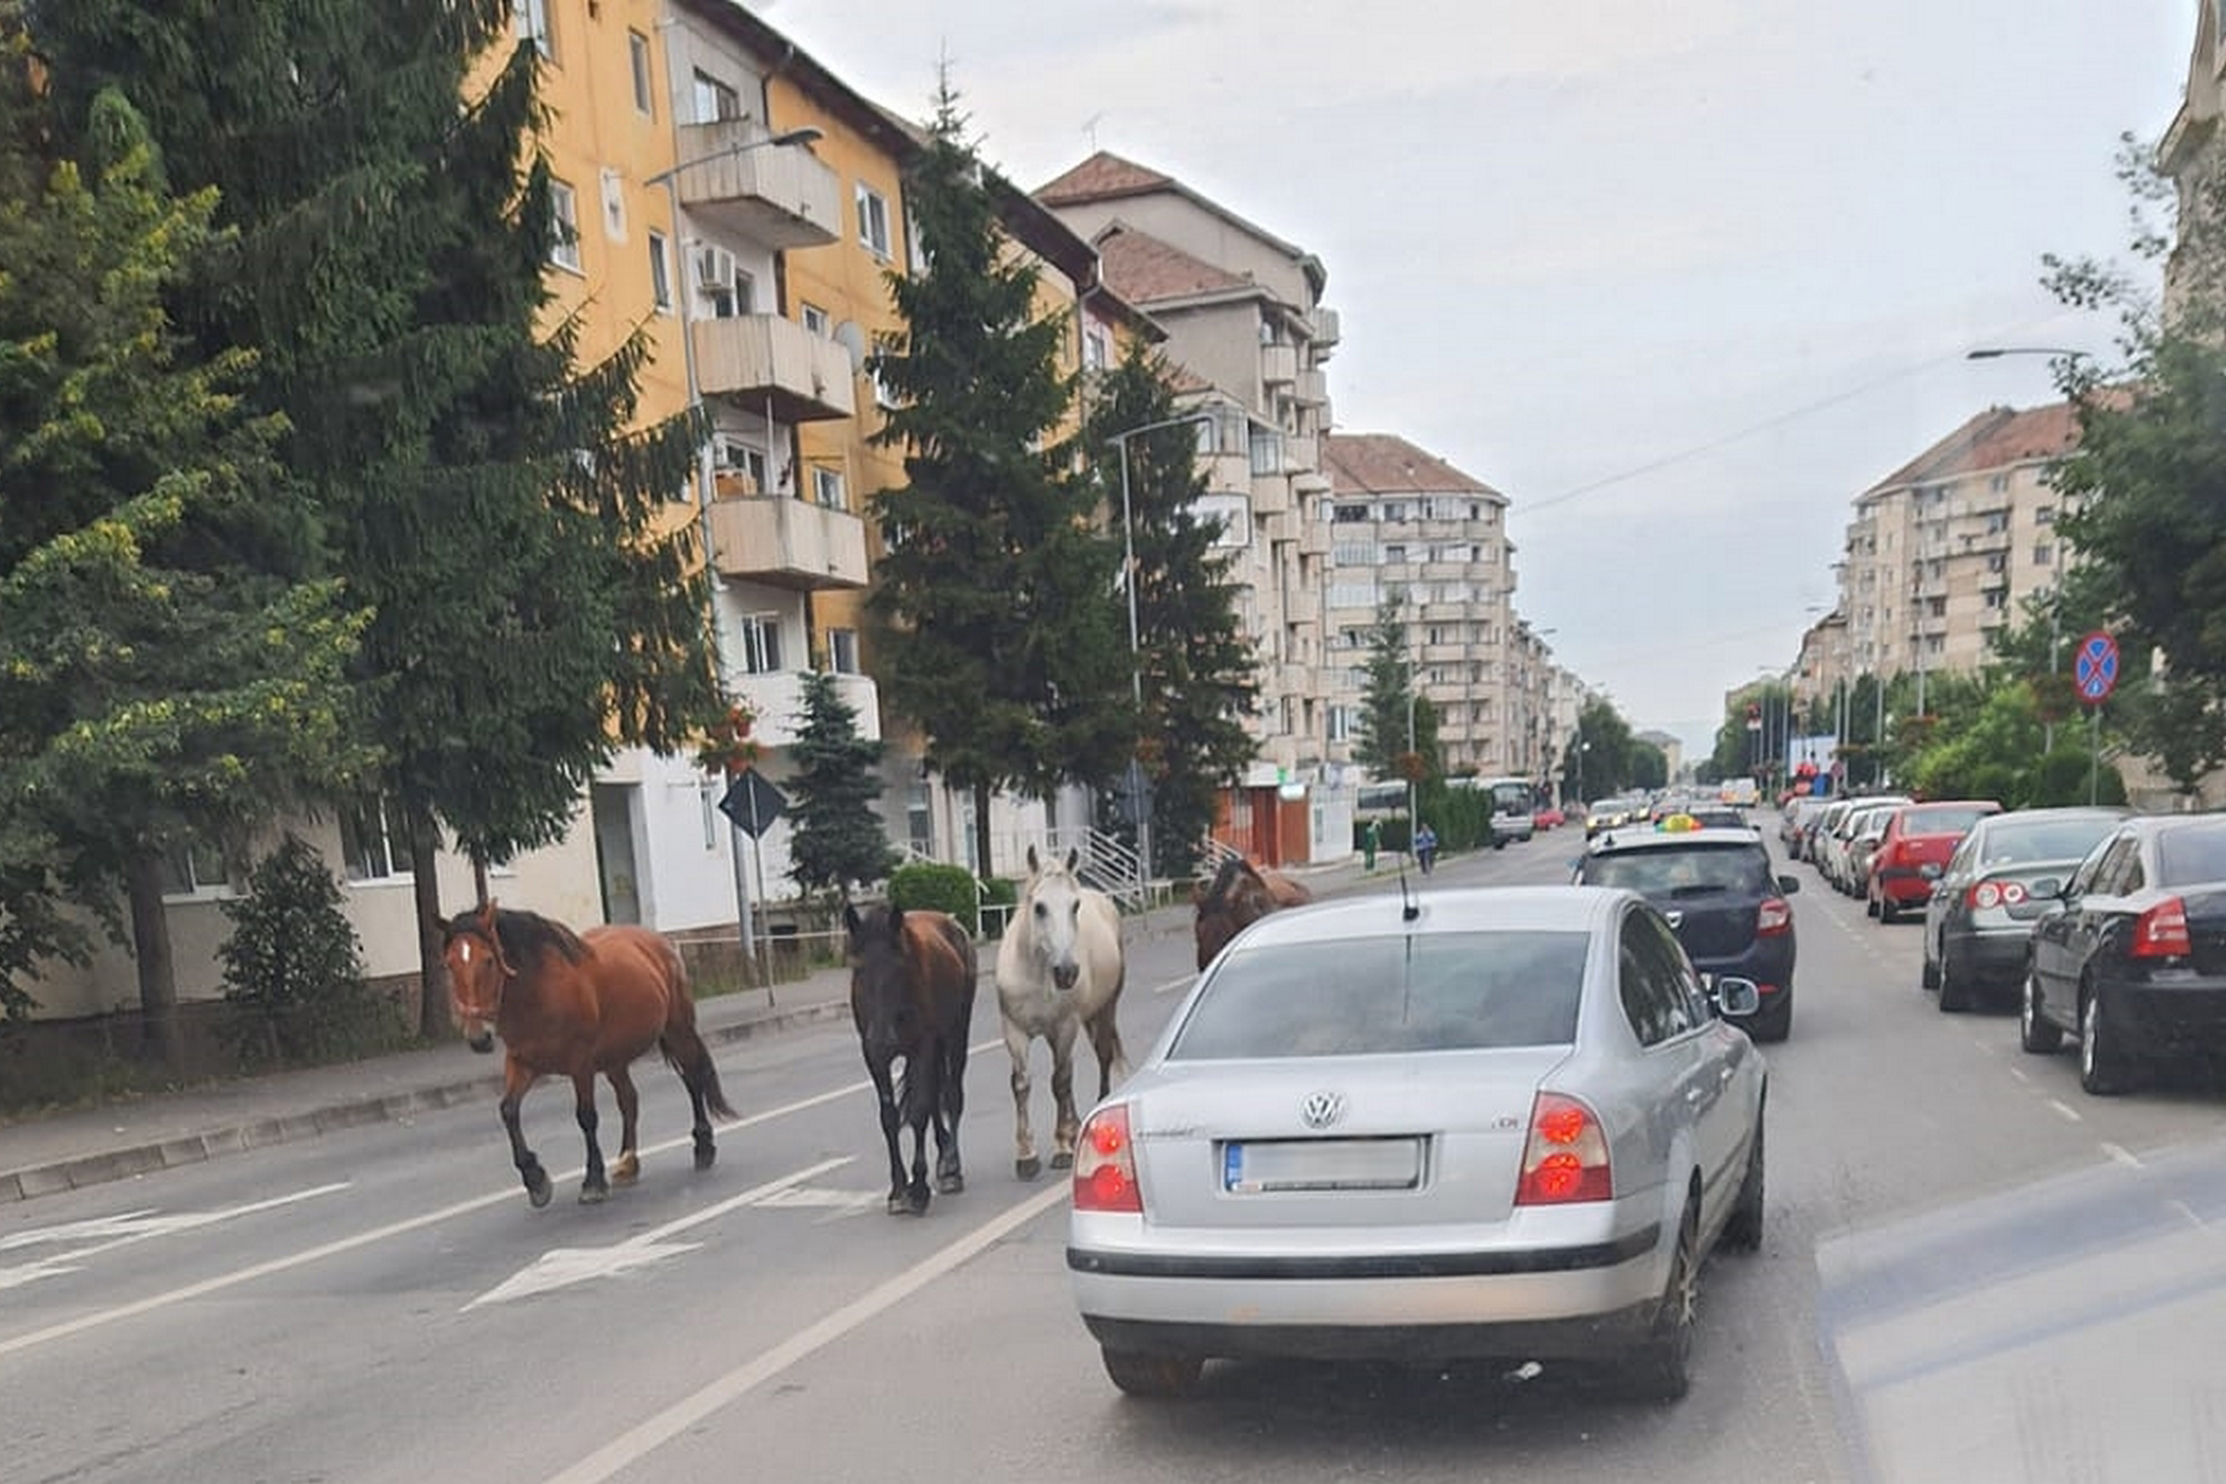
(1074,858)
(1035,867)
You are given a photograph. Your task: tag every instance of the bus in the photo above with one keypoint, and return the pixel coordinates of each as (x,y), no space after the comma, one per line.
(1514,808)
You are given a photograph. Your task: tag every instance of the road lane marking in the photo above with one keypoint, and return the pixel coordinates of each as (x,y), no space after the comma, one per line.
(101,1317)
(124,1230)
(2021,1074)
(561,1267)
(2066,1109)
(1181,982)
(2122,1154)
(640,1440)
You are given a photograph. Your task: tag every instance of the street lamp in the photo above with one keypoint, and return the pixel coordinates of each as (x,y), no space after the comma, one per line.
(705,471)
(1137,801)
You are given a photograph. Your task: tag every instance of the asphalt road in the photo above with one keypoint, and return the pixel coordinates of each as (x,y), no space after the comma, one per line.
(1971,1271)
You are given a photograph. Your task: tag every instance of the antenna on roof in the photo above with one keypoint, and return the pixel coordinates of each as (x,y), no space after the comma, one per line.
(1409,908)
(1090,127)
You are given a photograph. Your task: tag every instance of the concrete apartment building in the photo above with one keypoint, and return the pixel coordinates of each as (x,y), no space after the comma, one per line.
(1942,552)
(1245,322)
(1410,527)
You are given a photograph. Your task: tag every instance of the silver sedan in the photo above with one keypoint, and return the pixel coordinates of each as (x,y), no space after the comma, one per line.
(1504,1123)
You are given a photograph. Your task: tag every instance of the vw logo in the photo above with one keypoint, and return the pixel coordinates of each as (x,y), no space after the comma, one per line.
(1675,919)
(1322,1109)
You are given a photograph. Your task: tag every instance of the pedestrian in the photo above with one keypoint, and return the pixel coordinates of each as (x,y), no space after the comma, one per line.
(1425,847)
(1371,841)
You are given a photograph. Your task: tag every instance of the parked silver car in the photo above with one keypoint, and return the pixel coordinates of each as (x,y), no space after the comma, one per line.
(1503,1123)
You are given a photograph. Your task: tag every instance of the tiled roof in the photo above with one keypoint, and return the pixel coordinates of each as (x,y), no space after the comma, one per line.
(1997,438)
(1386,464)
(1143,270)
(1183,381)
(1101,177)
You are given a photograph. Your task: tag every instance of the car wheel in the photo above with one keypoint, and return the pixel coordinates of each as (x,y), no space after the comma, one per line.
(2101,1069)
(2040,1036)
(1952,996)
(1152,1375)
(1889,910)
(1870,906)
(1662,1370)
(1775,1022)
(1743,1232)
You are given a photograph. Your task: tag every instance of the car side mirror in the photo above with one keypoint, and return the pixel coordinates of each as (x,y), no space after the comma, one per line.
(1788,885)
(1735,996)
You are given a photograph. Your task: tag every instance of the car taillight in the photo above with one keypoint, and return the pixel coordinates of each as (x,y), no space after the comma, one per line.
(1995,894)
(2161,932)
(1774,916)
(1567,1156)
(1105,1164)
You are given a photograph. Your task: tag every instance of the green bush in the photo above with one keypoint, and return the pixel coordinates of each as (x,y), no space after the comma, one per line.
(293,969)
(942,888)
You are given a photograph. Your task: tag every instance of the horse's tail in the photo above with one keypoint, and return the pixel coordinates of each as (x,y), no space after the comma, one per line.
(683,1045)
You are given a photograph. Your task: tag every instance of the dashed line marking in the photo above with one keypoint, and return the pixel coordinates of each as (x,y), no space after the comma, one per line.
(2066,1109)
(2122,1154)
(2021,1075)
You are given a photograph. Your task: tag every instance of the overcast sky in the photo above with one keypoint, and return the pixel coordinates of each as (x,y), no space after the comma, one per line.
(1681,277)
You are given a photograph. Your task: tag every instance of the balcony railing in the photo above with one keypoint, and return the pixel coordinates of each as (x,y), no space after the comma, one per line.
(777,700)
(1302,453)
(777,195)
(1311,388)
(789,543)
(776,367)
(1279,364)
(1325,326)
(1271,494)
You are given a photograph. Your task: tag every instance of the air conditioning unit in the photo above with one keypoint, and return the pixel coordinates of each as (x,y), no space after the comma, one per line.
(715,268)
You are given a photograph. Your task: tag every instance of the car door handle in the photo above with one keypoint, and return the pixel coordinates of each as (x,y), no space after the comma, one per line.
(1693,1094)
(1724,1075)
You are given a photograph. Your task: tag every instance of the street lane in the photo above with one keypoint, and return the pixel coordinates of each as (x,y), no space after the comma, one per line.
(805,1335)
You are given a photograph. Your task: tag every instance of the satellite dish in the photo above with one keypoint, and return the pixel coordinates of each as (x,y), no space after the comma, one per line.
(852,339)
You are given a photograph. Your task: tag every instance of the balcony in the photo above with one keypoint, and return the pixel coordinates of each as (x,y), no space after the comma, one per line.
(1311,388)
(775,367)
(1271,494)
(786,542)
(1282,527)
(1314,538)
(1302,453)
(778,195)
(1302,605)
(1294,679)
(1279,364)
(778,701)
(1325,326)
(1311,482)
(1227,471)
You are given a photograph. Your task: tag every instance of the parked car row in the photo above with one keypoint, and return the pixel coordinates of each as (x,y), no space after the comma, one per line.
(2102,926)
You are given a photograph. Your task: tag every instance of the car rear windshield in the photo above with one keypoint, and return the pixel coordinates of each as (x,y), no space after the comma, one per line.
(1942,819)
(1683,870)
(2013,841)
(1366,996)
(2192,855)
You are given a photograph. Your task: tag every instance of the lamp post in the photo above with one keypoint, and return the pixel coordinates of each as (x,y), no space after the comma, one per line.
(1137,799)
(669,179)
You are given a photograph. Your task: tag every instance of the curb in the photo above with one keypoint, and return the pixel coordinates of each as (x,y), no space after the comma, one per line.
(165,1154)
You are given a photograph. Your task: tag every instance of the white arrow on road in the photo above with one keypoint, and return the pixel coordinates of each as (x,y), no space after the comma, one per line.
(568,1265)
(121,1231)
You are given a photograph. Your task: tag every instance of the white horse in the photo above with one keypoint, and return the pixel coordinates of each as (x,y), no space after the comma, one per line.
(1059,968)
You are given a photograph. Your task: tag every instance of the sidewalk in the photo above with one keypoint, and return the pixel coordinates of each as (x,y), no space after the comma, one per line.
(90,1146)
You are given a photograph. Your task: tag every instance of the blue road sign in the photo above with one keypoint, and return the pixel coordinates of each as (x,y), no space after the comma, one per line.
(2095,670)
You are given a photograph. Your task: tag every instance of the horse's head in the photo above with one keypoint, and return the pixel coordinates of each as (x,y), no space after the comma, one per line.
(478,970)
(1051,910)
(881,999)
(1238,897)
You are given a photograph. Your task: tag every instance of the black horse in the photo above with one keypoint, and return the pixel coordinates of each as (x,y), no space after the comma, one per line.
(912,980)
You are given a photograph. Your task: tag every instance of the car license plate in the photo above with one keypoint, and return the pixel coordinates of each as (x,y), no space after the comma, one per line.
(1320,1164)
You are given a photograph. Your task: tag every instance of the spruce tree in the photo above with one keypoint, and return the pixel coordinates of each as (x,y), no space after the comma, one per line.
(998,632)
(488,501)
(1196,661)
(1387,697)
(169,679)
(838,840)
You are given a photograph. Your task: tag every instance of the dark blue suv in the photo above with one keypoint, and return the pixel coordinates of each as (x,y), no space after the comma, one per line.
(1717,890)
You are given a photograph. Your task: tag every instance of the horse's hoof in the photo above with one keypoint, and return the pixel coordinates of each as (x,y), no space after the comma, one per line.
(705,1154)
(1063,1160)
(950,1184)
(538,1189)
(899,1204)
(594,1195)
(626,1171)
(1027,1169)
(916,1200)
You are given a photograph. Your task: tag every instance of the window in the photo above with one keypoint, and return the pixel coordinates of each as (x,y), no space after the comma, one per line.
(761,643)
(842,651)
(827,488)
(723,290)
(531,20)
(1395,555)
(2044,515)
(2043,554)
(373,847)
(197,868)
(715,101)
(564,213)
(660,272)
(816,320)
(1095,356)
(873,221)
(1394,512)
(1267,451)
(742,461)
(645,94)
(1349,514)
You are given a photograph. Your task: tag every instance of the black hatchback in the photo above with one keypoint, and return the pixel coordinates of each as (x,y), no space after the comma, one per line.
(1717,890)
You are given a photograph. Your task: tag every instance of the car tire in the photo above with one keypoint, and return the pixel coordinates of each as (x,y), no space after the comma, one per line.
(1889,911)
(2102,1070)
(1743,1230)
(1774,1023)
(1870,906)
(1139,1374)
(2036,1033)
(1662,1369)
(1952,995)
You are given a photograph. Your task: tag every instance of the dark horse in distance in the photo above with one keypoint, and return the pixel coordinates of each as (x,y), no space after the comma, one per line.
(1241,894)
(912,978)
(573,1005)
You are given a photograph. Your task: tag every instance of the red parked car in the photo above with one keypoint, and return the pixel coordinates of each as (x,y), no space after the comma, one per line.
(1915,850)
(1547,817)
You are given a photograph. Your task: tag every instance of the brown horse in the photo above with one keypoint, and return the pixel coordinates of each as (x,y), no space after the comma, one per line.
(1241,894)
(572,1005)
(912,978)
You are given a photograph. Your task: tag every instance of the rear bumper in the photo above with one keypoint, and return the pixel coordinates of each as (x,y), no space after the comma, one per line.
(1904,888)
(1987,957)
(2178,1015)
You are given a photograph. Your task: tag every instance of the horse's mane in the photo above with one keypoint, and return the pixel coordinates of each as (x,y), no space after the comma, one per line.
(1217,895)
(525,936)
